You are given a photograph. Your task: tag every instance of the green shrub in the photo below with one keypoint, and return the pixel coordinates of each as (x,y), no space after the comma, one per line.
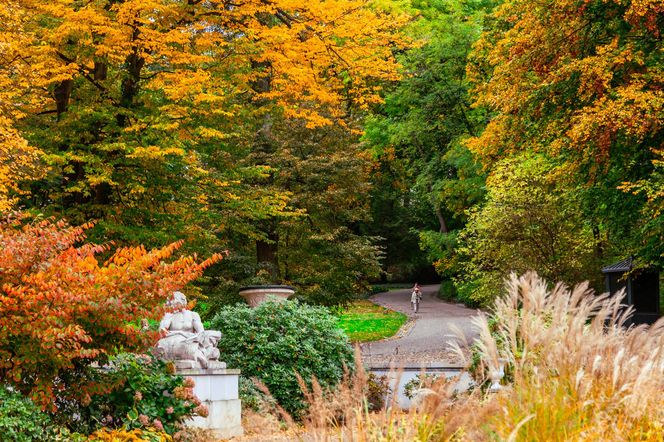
(276,340)
(448,291)
(252,398)
(478,291)
(144,393)
(377,390)
(21,420)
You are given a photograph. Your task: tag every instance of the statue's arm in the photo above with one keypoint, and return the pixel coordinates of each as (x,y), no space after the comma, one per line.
(165,323)
(198,324)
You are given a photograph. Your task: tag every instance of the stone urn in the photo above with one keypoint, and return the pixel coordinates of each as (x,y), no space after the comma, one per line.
(258,294)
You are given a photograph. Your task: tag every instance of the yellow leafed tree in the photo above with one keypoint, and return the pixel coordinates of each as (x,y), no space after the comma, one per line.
(140,106)
(570,78)
(24,69)
(204,52)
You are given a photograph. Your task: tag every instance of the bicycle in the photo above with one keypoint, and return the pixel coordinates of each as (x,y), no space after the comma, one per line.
(415,299)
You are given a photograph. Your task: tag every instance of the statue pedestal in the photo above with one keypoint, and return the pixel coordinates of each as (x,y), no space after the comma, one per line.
(217,388)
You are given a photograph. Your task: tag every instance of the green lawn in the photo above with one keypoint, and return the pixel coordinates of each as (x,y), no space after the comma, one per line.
(365,321)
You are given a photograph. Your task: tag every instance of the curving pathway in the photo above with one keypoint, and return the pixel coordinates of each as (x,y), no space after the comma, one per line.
(424,340)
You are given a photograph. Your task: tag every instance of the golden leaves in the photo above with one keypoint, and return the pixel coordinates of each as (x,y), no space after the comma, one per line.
(645,13)
(557,86)
(18,162)
(633,111)
(155,152)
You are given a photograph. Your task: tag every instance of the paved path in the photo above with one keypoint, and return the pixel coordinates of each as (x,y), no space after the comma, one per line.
(424,340)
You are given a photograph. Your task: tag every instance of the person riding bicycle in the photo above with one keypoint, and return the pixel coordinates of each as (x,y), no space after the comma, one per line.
(416,297)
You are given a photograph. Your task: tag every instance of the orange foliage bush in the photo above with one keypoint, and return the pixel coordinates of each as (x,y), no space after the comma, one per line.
(60,308)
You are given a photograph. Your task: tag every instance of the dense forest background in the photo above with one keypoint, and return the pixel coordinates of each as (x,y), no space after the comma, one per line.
(332,144)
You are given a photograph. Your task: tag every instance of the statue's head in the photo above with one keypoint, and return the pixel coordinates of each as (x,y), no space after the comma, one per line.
(177,300)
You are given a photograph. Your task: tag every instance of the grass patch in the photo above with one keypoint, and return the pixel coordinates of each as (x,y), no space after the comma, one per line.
(364,321)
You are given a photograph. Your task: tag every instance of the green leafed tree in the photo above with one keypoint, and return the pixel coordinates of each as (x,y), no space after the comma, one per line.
(319,247)
(530,220)
(426,177)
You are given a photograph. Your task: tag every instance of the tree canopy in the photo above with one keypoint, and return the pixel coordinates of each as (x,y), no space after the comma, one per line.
(581,84)
(559,106)
(166,120)
(331,143)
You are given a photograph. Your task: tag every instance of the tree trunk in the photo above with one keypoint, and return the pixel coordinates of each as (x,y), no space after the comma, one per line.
(441,220)
(61,94)
(267,254)
(599,251)
(100,71)
(130,85)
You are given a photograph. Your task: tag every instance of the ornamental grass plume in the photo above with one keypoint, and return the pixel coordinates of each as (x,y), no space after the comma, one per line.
(344,414)
(577,372)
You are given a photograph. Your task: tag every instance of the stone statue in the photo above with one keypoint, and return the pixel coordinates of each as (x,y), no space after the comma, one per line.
(185,341)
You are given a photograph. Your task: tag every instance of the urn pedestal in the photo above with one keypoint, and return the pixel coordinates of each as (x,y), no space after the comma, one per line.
(258,294)
(218,389)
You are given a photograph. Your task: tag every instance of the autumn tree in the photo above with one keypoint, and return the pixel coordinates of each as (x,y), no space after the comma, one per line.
(157,118)
(19,162)
(144,128)
(62,309)
(581,82)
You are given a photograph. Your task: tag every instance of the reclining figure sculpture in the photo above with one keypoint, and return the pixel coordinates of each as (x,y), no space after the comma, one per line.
(185,341)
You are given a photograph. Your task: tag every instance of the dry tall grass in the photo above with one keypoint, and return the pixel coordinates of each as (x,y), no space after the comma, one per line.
(344,415)
(578,372)
(575,374)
